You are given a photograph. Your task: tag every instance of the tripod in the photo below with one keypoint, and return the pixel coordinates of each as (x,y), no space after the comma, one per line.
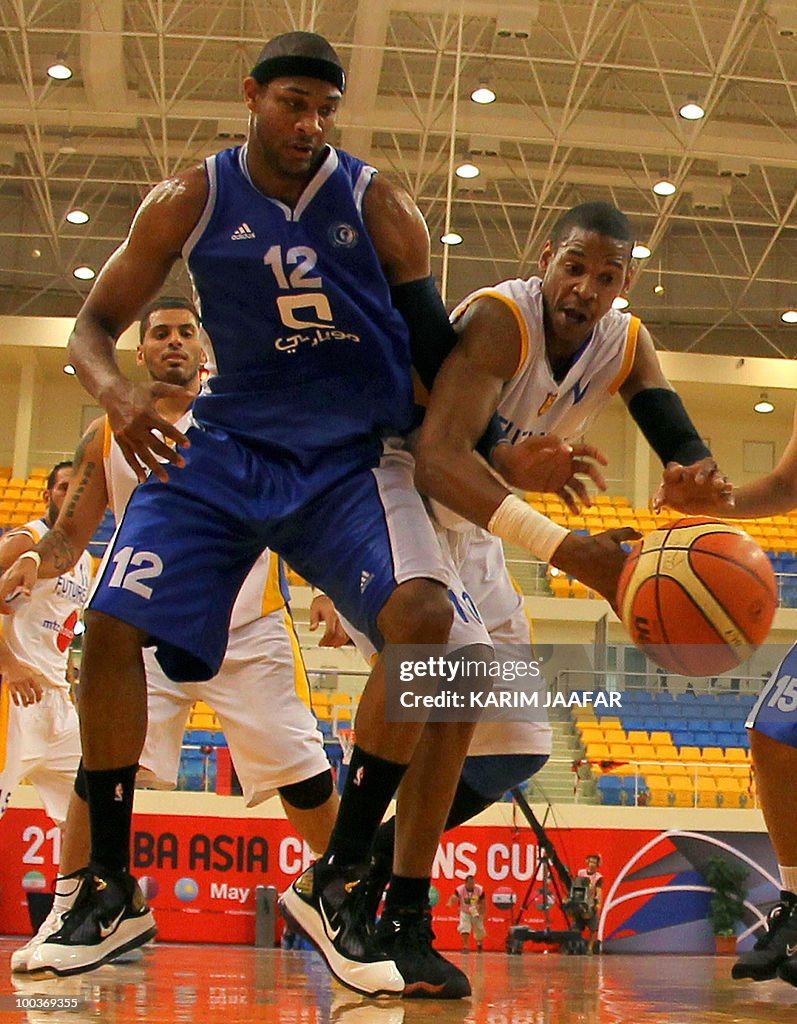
(556,881)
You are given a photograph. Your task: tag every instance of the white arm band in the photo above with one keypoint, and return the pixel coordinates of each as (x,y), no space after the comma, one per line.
(37,558)
(518,523)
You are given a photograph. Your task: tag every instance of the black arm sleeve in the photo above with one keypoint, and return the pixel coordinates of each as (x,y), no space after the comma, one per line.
(660,415)
(431,340)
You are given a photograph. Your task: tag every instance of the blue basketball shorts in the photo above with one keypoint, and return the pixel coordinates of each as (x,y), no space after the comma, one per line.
(184,548)
(775,711)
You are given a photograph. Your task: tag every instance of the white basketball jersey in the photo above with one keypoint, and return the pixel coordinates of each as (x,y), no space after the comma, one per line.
(43,626)
(532,403)
(262,591)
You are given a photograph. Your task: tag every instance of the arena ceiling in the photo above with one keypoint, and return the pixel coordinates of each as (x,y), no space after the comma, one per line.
(588,97)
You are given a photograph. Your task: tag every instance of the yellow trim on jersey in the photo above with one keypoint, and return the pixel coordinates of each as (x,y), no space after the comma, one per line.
(107,438)
(28,530)
(521,322)
(628,358)
(300,681)
(273,598)
(4,703)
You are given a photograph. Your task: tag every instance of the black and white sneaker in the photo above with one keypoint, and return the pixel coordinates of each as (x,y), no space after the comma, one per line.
(775,947)
(109,917)
(327,905)
(406,937)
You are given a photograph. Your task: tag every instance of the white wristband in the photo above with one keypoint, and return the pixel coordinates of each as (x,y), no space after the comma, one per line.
(37,558)
(518,523)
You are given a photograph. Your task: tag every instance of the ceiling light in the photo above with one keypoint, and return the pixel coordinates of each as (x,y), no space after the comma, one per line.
(451,238)
(789,316)
(763,404)
(84,273)
(640,252)
(69,370)
(621,302)
(467,170)
(658,289)
(664,187)
(483,94)
(692,111)
(78,217)
(59,69)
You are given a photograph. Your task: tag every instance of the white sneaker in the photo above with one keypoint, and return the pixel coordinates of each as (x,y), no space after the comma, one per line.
(20,958)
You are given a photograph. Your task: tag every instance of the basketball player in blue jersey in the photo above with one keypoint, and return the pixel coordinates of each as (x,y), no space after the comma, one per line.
(313,279)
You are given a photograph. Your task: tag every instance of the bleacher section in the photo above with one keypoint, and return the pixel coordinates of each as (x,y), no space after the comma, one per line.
(21,500)
(777,535)
(664,751)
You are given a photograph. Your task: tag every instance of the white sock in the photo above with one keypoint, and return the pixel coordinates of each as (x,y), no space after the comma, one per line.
(788,879)
(65,892)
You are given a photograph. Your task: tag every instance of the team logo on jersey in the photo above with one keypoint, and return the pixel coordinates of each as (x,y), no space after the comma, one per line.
(550,398)
(344,235)
(242,231)
(66,634)
(578,391)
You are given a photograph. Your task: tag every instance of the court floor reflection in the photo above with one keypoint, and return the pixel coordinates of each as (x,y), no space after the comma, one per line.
(232,984)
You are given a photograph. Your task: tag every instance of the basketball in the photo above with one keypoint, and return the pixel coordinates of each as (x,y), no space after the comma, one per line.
(697,596)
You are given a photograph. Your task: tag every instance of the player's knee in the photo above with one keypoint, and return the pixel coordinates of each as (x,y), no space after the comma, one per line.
(418,611)
(309,793)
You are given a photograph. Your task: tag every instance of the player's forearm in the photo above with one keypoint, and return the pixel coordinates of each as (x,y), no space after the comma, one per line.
(459,480)
(92,351)
(58,553)
(772,495)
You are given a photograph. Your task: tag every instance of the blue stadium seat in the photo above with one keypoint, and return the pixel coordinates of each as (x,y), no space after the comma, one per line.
(704,739)
(205,738)
(726,739)
(610,789)
(102,535)
(683,739)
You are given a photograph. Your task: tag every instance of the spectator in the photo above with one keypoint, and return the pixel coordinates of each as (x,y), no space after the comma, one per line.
(471,900)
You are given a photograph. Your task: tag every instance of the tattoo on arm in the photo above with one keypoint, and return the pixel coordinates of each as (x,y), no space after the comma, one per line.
(56,549)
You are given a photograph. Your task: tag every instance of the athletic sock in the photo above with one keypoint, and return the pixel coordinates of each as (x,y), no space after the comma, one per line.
(65,892)
(111,812)
(407,894)
(370,784)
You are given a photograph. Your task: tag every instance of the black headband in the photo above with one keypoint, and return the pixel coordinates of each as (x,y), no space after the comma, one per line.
(307,67)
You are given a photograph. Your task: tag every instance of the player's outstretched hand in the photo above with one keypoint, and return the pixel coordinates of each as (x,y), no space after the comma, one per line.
(699,489)
(16,583)
(597,560)
(322,610)
(137,425)
(550,465)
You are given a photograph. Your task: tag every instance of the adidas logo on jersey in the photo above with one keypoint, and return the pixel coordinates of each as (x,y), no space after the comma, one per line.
(241,232)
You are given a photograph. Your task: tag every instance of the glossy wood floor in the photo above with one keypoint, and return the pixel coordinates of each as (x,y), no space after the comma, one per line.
(231,984)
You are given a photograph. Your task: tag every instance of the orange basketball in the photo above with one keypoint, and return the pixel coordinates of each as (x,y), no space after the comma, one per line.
(697,596)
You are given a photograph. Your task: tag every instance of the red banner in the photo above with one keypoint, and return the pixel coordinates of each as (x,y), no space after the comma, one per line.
(200,873)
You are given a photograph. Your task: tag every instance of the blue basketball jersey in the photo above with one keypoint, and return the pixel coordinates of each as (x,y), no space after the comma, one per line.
(313,361)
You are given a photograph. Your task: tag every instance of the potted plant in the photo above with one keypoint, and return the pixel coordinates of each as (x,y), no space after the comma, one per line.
(726,908)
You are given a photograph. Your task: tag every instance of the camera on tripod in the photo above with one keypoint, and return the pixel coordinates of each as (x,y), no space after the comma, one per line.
(579,901)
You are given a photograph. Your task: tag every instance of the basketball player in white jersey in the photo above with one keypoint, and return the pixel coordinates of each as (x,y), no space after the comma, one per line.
(261,693)
(42,734)
(547,354)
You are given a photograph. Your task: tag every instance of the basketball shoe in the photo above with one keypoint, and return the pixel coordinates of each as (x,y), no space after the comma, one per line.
(108,917)
(775,947)
(20,957)
(328,905)
(406,936)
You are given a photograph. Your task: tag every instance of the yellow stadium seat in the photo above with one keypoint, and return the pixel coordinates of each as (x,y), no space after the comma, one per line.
(661,738)
(677,769)
(598,752)
(610,722)
(560,585)
(644,752)
(621,751)
(659,793)
(713,754)
(637,736)
(706,792)
(690,754)
(737,754)
(666,752)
